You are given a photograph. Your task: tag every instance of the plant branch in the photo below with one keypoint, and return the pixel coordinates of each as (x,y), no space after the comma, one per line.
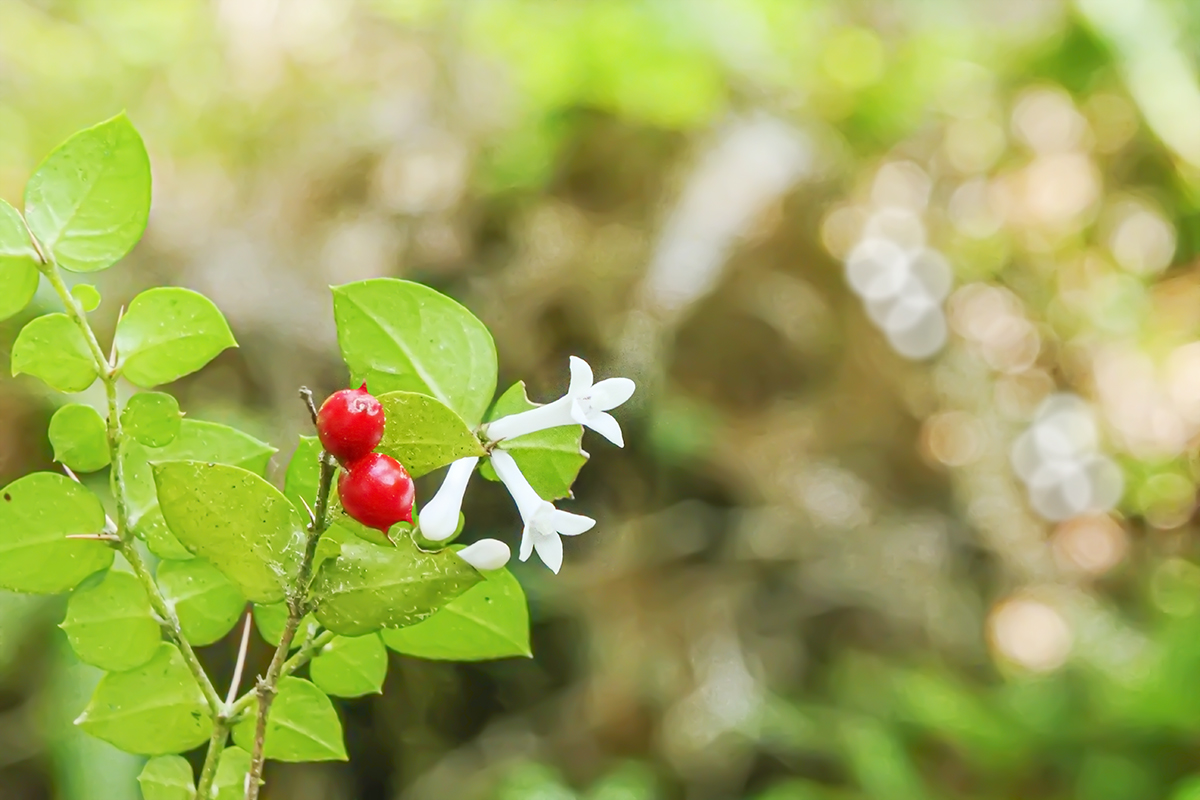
(307,396)
(171,622)
(224,721)
(268,685)
(108,376)
(212,758)
(298,660)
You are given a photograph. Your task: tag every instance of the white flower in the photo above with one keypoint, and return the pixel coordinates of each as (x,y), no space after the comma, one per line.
(585,403)
(544,524)
(486,554)
(439,519)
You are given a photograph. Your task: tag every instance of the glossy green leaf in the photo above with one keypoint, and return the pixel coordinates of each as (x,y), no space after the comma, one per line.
(549,459)
(167,333)
(86,295)
(197,441)
(51,347)
(402,336)
(303,725)
(270,619)
(89,200)
(109,623)
(156,709)
(490,620)
(167,778)
(153,530)
(424,434)
(343,521)
(79,437)
(37,513)
(303,474)
(300,486)
(369,587)
(232,769)
(152,418)
(18,263)
(330,546)
(235,519)
(351,666)
(207,603)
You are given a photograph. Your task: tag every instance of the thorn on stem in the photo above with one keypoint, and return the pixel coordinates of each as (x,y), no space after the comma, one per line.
(312,517)
(98,537)
(112,353)
(236,683)
(70,474)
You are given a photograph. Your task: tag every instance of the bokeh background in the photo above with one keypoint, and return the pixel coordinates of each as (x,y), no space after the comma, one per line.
(848,249)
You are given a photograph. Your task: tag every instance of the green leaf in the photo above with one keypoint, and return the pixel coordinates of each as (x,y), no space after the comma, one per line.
(197,441)
(402,336)
(167,333)
(207,603)
(347,524)
(235,519)
(37,513)
(89,200)
(271,619)
(369,587)
(167,778)
(329,546)
(232,769)
(79,437)
(152,418)
(351,666)
(423,434)
(18,263)
(490,620)
(156,709)
(52,348)
(153,530)
(550,460)
(302,726)
(109,623)
(304,474)
(86,295)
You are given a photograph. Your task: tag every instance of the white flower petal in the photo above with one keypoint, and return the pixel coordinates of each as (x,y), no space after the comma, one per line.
(550,550)
(439,519)
(526,543)
(551,415)
(611,392)
(528,501)
(581,377)
(578,414)
(607,426)
(486,554)
(569,524)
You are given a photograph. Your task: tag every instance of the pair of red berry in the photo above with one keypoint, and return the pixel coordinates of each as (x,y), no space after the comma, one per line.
(375,489)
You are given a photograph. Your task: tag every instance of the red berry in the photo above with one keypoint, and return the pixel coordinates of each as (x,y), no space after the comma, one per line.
(350,424)
(377,491)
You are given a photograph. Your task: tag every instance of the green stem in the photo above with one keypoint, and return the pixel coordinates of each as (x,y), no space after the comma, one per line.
(212,758)
(268,685)
(108,375)
(171,622)
(298,660)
